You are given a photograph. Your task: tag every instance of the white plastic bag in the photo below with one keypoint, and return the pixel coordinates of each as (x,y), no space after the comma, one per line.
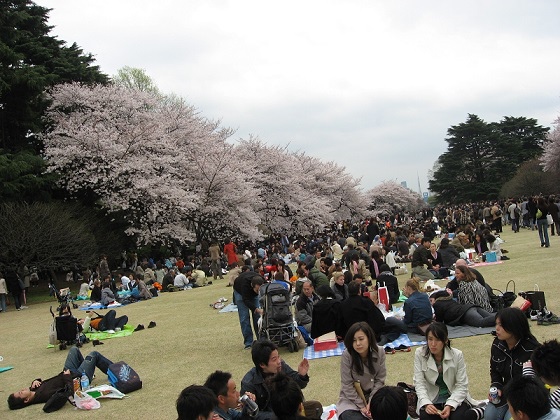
(85,402)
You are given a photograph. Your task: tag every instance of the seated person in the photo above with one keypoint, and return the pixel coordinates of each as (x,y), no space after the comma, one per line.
(108,322)
(453,284)
(196,402)
(387,279)
(75,365)
(198,278)
(470,290)
(96,291)
(361,281)
(326,314)
(225,389)
(339,288)
(304,305)
(107,295)
(449,254)
(143,292)
(494,246)
(286,398)
(84,290)
(417,308)
(268,363)
(390,402)
(440,377)
(528,399)
(181,281)
(453,313)
(545,362)
(421,258)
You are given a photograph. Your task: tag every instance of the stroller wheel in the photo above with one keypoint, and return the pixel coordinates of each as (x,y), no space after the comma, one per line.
(291,346)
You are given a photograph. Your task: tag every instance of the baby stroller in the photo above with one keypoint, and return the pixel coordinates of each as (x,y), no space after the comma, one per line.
(64,331)
(277,319)
(63,296)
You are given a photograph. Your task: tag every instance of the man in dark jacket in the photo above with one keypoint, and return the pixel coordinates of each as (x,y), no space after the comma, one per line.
(304,305)
(40,391)
(421,257)
(268,363)
(246,295)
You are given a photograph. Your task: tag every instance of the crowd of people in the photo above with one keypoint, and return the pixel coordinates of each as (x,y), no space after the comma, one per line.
(336,285)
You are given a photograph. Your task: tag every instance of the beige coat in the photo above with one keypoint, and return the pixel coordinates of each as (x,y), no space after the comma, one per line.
(454,376)
(370,382)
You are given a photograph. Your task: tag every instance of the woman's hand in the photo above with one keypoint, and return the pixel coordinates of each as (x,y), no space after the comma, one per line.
(365,411)
(431,409)
(35,384)
(446,412)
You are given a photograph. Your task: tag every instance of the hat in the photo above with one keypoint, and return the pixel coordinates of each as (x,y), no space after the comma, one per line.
(461,234)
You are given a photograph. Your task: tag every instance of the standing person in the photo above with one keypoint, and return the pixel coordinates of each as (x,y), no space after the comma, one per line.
(362,372)
(246,296)
(74,366)
(215,257)
(230,249)
(496,212)
(542,222)
(514,213)
(440,377)
(103,267)
(553,211)
(3,293)
(513,346)
(12,281)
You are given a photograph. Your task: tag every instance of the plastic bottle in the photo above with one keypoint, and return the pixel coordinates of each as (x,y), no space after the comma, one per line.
(84,382)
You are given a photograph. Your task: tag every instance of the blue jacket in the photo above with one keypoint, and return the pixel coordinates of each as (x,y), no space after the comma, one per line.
(417,309)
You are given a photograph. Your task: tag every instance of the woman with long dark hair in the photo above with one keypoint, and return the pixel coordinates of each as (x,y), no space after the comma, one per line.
(440,377)
(513,346)
(362,372)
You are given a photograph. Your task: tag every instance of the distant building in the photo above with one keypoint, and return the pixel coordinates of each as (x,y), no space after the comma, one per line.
(403,184)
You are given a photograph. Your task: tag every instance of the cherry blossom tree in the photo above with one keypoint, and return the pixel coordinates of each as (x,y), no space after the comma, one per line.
(138,155)
(550,159)
(390,197)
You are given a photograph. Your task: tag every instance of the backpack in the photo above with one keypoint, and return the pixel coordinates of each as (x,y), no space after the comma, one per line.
(123,377)
(498,212)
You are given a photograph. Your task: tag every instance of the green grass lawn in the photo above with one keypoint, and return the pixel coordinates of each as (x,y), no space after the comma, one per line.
(192,340)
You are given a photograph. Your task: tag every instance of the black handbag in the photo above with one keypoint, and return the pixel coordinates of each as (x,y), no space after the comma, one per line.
(57,400)
(536,297)
(509,296)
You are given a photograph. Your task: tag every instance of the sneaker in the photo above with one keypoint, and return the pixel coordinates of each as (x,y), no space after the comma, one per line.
(24,307)
(152,324)
(534,314)
(117,329)
(389,350)
(404,348)
(110,331)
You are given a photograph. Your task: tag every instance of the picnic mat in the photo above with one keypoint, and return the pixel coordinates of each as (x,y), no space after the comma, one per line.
(4,369)
(97,305)
(483,264)
(232,307)
(309,352)
(103,335)
(458,332)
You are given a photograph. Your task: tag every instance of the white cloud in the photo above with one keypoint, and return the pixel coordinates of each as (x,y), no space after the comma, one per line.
(373,85)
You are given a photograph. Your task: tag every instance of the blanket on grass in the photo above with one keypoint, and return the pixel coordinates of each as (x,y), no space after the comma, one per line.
(232,307)
(96,305)
(483,264)
(409,340)
(104,335)
(458,332)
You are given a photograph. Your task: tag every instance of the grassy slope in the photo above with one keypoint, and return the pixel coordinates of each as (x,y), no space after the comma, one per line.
(191,340)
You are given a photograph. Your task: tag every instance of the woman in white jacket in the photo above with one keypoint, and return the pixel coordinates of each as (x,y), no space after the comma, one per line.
(440,377)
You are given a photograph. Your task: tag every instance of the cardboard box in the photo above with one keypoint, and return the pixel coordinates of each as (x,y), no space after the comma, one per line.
(325,342)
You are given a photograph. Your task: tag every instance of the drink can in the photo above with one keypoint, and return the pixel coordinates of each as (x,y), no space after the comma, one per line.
(494,397)
(76,384)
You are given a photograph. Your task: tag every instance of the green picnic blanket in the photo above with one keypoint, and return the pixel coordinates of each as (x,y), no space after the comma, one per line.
(103,335)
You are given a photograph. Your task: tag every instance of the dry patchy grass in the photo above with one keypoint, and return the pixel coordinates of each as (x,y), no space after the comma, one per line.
(191,340)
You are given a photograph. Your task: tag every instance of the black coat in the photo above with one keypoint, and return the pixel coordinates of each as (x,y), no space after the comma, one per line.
(358,309)
(450,311)
(327,317)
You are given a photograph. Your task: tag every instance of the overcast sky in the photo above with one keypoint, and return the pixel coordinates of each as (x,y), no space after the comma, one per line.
(372,85)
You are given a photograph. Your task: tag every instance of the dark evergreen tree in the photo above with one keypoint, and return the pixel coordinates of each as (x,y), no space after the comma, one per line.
(31,61)
(482,156)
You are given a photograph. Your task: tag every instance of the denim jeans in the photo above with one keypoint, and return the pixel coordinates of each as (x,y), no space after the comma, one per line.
(245,318)
(542,224)
(77,364)
(3,302)
(496,413)
(478,317)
